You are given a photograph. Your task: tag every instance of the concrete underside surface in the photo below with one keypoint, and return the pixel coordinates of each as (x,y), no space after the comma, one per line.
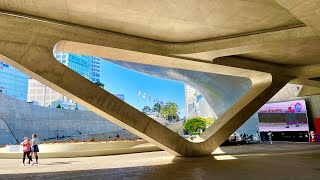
(259,161)
(269,42)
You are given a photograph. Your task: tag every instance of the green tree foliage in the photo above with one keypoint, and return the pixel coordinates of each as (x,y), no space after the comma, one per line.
(157,109)
(146,110)
(208,121)
(100,84)
(196,93)
(59,106)
(170,111)
(194,125)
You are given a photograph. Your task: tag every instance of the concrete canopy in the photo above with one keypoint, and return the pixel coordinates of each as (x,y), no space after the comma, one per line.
(172,21)
(269,42)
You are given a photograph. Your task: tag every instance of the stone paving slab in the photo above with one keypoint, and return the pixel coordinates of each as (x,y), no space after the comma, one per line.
(282,161)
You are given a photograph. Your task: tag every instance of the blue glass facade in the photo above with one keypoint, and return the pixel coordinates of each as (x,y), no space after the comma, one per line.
(13,82)
(87,66)
(96,69)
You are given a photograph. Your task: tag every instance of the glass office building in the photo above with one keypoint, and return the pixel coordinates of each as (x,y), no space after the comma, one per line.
(86,66)
(96,69)
(13,82)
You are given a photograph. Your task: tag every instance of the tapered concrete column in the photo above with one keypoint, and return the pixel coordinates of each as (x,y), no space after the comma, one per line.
(31,51)
(39,63)
(216,134)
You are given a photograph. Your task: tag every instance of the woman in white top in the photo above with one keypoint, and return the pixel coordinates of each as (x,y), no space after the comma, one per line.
(34,146)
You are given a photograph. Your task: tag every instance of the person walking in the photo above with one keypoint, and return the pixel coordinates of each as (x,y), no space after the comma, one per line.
(26,150)
(270,136)
(258,137)
(35,148)
(263,137)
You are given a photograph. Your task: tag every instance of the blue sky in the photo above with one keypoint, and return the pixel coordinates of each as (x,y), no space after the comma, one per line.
(119,80)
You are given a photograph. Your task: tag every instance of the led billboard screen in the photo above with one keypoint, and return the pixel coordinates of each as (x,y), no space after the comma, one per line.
(283,116)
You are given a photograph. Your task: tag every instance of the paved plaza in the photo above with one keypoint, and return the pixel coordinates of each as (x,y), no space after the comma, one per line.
(258,161)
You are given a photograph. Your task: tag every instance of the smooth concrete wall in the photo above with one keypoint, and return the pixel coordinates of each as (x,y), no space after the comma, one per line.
(287,93)
(25,119)
(220,91)
(176,127)
(313,109)
(5,134)
(250,127)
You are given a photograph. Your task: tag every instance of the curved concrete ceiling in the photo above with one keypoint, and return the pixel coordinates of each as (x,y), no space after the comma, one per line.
(165,20)
(298,52)
(281,33)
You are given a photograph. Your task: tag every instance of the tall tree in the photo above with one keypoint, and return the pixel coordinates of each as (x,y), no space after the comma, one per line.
(208,121)
(157,109)
(170,111)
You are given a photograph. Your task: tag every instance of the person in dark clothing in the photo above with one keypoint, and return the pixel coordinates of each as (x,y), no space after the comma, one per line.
(263,137)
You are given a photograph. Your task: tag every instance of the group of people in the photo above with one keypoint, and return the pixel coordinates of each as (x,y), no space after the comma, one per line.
(265,136)
(245,138)
(30,147)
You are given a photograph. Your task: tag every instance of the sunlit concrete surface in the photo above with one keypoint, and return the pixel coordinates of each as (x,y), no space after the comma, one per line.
(163,21)
(84,149)
(261,161)
(220,91)
(269,42)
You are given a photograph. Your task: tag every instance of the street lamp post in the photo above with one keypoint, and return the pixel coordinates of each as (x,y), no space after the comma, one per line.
(45,93)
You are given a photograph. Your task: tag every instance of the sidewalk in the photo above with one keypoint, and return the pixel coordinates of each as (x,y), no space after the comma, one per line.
(257,161)
(282,146)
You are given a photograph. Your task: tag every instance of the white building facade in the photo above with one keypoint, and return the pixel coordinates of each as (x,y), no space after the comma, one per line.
(196,105)
(42,94)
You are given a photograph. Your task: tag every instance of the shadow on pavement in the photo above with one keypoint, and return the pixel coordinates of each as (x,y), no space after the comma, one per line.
(286,166)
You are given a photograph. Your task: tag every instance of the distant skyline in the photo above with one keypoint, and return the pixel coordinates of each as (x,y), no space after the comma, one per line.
(120,80)
(139,89)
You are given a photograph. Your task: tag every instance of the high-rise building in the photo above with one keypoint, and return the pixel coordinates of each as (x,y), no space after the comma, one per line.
(13,82)
(86,66)
(190,98)
(96,69)
(42,93)
(196,105)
